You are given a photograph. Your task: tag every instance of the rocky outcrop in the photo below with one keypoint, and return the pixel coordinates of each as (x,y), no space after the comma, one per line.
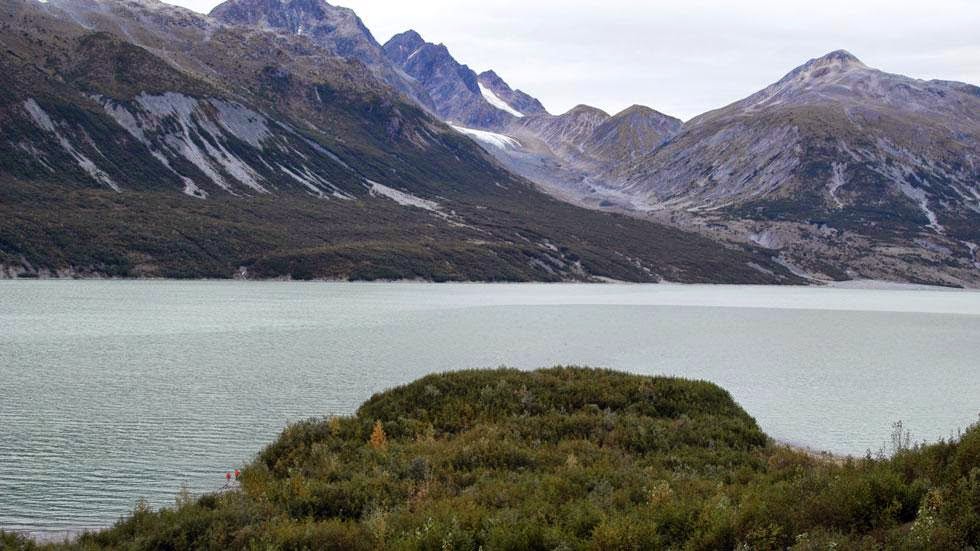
(458,94)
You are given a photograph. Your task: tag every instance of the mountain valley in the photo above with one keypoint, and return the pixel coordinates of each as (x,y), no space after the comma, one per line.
(278,138)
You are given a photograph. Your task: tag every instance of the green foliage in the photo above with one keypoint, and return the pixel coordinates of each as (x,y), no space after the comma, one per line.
(565,458)
(13,542)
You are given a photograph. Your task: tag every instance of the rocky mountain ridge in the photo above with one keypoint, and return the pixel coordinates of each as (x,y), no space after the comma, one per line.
(458,94)
(847,171)
(836,159)
(144,140)
(837,170)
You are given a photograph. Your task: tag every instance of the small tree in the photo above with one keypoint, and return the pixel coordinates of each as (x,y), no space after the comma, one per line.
(379,440)
(335,426)
(184,497)
(901,439)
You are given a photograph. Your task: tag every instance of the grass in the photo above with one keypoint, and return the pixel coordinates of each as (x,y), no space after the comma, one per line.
(565,458)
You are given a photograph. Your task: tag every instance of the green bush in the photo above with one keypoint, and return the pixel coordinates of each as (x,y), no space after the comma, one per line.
(566,458)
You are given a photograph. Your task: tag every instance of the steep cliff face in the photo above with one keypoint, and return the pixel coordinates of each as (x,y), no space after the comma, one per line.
(458,94)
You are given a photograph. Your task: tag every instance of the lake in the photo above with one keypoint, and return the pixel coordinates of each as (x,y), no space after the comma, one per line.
(115,390)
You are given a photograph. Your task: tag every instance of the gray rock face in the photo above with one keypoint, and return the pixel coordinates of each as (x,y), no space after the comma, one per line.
(337,29)
(457,93)
(833,140)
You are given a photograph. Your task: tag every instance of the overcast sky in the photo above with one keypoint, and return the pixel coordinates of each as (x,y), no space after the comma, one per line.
(682,57)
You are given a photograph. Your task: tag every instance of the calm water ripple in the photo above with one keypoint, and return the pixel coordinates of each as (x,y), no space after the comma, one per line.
(113,391)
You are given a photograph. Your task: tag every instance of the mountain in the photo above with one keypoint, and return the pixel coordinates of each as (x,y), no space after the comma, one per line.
(566,134)
(459,95)
(630,134)
(571,155)
(842,170)
(862,134)
(577,154)
(337,30)
(144,140)
(590,137)
(875,172)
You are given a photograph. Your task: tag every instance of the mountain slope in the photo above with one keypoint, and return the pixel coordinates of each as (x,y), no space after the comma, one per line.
(574,155)
(835,144)
(577,155)
(338,30)
(141,139)
(851,123)
(630,134)
(567,134)
(842,170)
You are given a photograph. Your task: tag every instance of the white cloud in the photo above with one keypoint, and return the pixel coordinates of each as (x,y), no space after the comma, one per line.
(682,57)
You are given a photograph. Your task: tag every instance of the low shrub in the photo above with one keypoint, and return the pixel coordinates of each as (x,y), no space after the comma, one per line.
(565,458)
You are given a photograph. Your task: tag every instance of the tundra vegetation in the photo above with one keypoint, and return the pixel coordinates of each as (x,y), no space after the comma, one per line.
(565,458)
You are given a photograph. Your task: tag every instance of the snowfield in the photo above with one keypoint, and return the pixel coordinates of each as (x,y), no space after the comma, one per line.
(489,138)
(494,100)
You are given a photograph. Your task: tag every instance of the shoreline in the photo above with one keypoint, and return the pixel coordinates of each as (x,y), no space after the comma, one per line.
(850,285)
(817,455)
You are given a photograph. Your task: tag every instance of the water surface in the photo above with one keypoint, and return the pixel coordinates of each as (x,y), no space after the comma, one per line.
(112,391)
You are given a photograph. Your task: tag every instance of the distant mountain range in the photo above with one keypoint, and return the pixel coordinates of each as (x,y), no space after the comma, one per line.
(144,140)
(278,138)
(843,170)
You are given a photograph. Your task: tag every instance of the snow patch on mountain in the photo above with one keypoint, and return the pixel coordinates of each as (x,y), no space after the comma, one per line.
(492,139)
(494,100)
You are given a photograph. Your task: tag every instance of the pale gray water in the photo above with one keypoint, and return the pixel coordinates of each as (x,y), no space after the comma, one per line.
(112,391)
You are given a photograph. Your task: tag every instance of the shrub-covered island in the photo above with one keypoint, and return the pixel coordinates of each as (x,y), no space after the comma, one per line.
(565,458)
